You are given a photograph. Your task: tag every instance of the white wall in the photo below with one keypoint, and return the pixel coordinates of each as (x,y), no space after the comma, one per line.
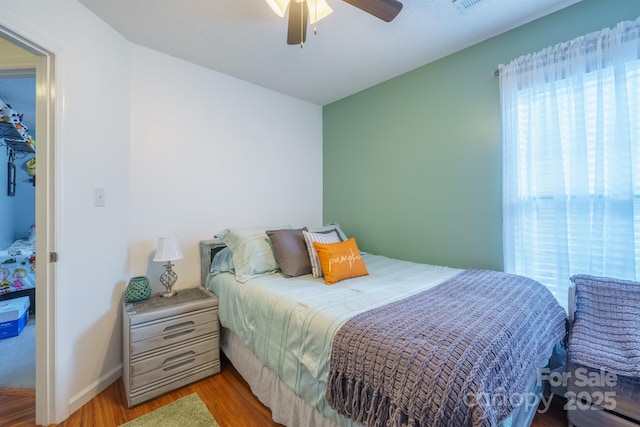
(179,150)
(92,131)
(209,151)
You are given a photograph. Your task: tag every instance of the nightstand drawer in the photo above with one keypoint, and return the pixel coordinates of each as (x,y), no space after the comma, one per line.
(187,350)
(181,362)
(177,329)
(172,382)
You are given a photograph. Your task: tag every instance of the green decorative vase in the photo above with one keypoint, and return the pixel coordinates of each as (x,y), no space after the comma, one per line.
(138,289)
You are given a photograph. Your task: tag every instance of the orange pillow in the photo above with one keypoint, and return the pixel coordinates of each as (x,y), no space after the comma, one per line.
(340,261)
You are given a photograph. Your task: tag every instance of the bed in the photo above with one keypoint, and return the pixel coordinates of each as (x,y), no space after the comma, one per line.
(287,333)
(18,271)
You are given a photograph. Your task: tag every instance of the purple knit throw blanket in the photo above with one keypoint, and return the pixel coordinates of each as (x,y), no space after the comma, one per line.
(459,354)
(606,330)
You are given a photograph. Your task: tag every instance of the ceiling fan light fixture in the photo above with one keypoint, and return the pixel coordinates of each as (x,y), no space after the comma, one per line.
(303,12)
(318,9)
(279,6)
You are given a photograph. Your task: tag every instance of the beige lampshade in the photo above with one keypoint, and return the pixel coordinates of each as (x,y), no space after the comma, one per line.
(168,249)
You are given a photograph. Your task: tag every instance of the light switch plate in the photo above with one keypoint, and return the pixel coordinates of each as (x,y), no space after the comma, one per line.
(99,197)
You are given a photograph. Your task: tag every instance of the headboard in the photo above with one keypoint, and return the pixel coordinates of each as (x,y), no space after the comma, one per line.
(208,248)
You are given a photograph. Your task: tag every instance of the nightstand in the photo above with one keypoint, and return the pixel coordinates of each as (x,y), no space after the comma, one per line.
(169,343)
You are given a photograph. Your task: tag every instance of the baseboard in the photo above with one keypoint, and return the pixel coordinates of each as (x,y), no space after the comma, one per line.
(94,389)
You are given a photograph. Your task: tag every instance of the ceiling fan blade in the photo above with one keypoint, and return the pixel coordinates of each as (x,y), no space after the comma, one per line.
(298,17)
(383,9)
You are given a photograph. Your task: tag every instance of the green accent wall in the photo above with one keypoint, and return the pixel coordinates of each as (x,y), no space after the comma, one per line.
(413,168)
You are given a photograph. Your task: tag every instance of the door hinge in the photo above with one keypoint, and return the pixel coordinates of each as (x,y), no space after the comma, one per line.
(53,256)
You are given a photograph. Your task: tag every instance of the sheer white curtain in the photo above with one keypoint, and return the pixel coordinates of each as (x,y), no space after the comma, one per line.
(571,159)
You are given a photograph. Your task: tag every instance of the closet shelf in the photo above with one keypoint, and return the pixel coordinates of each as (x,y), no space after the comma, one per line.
(13,139)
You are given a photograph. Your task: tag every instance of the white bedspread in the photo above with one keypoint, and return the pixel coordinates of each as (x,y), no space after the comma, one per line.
(289,323)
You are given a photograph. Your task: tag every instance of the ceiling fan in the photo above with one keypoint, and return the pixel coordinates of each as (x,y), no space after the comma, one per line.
(303,11)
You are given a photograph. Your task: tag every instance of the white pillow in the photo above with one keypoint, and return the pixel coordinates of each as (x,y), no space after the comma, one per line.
(328,227)
(252,251)
(328,236)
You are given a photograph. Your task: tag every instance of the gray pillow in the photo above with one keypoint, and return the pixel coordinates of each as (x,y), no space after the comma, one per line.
(290,251)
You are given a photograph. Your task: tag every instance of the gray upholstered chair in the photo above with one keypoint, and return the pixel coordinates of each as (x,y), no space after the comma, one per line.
(603,377)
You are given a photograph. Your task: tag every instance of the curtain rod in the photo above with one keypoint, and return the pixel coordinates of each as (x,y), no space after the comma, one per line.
(591,41)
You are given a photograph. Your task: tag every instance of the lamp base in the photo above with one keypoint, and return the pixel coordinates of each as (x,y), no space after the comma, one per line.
(168,279)
(168,294)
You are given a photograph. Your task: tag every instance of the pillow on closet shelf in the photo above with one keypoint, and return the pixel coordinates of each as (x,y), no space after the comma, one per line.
(290,251)
(328,236)
(252,251)
(32,233)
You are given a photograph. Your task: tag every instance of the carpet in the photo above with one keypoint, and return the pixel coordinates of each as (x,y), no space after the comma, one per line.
(187,411)
(18,367)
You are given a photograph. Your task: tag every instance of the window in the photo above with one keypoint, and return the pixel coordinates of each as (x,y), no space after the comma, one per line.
(571,168)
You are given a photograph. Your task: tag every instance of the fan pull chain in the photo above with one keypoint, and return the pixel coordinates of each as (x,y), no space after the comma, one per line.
(315,17)
(302,27)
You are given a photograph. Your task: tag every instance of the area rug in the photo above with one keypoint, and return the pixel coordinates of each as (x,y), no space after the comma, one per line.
(187,411)
(18,367)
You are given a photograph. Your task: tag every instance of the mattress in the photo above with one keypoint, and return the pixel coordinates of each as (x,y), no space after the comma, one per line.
(291,410)
(289,324)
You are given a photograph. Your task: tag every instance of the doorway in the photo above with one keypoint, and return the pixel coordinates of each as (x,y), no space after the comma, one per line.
(43,62)
(17,225)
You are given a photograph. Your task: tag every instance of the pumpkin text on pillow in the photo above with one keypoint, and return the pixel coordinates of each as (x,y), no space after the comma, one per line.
(340,260)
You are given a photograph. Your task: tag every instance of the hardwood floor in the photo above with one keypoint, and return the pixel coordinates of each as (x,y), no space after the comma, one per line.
(227,396)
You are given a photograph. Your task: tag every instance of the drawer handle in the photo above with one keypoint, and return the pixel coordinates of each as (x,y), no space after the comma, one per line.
(180,356)
(186,362)
(178,326)
(179,334)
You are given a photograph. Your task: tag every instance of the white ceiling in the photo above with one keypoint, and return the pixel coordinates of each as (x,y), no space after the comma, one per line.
(351,51)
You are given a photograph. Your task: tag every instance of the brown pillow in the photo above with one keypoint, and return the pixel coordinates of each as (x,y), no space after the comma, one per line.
(290,251)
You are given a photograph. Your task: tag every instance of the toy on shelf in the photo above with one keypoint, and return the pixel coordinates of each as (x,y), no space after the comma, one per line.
(13,132)
(30,166)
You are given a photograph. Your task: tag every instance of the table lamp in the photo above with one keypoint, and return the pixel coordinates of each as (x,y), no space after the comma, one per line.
(167,251)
